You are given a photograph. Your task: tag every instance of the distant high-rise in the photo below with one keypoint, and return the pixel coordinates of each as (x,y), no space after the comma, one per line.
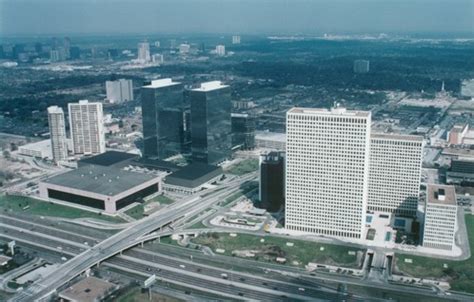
(272,181)
(220,50)
(157,58)
(144,52)
(75,53)
(361,66)
(87,127)
(243,131)
(163,107)
(211,122)
(119,91)
(440,217)
(235,39)
(327,171)
(57,132)
(395,173)
(184,48)
(67,47)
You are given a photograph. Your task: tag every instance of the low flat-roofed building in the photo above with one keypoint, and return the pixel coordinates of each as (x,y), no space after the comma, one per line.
(100,187)
(90,289)
(461,171)
(191,178)
(270,140)
(41,149)
(440,217)
(4,260)
(108,159)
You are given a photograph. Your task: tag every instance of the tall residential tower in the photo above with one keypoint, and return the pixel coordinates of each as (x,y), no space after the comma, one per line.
(87,127)
(57,131)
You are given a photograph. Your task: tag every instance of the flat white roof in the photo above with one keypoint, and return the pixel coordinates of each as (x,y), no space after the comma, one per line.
(402,137)
(209,86)
(161,83)
(441,194)
(55,109)
(333,111)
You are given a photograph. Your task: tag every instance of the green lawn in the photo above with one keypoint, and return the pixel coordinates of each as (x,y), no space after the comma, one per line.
(44,208)
(162,199)
(272,247)
(136,212)
(460,274)
(244,167)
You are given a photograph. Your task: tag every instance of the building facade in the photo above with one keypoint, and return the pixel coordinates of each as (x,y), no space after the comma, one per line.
(163,106)
(57,132)
(461,172)
(211,123)
(119,91)
(86,122)
(272,181)
(327,167)
(440,217)
(395,173)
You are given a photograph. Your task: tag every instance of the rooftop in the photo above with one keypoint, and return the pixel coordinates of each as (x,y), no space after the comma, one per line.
(102,180)
(87,290)
(108,158)
(333,111)
(274,136)
(161,83)
(413,138)
(441,194)
(55,109)
(4,259)
(193,175)
(209,86)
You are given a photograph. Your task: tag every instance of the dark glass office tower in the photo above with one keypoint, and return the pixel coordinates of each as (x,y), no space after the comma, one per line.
(211,123)
(272,181)
(163,118)
(243,131)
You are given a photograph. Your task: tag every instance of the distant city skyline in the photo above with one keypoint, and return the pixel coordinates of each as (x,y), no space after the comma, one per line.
(28,17)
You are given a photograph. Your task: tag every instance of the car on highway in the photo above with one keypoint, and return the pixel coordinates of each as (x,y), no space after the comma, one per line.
(224,276)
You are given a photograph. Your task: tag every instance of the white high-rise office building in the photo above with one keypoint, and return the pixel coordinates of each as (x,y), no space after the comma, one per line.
(327,171)
(440,217)
(86,122)
(144,52)
(395,173)
(220,50)
(57,132)
(119,91)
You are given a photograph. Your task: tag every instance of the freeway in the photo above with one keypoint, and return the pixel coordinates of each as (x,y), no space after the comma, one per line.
(124,239)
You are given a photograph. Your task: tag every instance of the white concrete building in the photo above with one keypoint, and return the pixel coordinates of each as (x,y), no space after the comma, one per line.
(395,173)
(86,122)
(220,50)
(41,149)
(440,217)
(157,58)
(119,91)
(327,171)
(184,48)
(57,132)
(235,39)
(144,52)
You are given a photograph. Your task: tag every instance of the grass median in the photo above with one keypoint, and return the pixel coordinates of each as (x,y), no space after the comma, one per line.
(296,252)
(44,208)
(459,274)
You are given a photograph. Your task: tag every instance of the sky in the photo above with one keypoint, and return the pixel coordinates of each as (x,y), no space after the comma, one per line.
(235,16)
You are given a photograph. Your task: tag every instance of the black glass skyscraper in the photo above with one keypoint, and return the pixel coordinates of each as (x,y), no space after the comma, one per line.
(163,118)
(211,122)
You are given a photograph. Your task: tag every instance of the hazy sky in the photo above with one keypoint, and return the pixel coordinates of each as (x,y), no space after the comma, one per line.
(234,16)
